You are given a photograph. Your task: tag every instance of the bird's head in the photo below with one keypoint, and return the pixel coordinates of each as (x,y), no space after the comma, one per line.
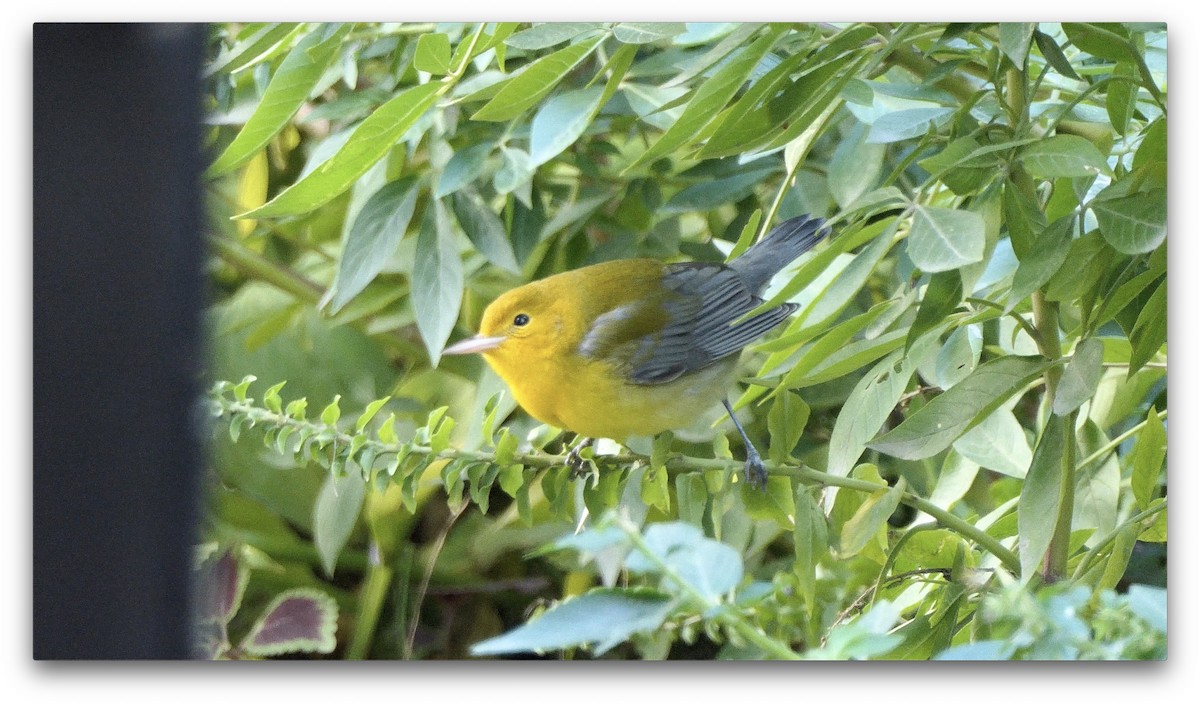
(519,321)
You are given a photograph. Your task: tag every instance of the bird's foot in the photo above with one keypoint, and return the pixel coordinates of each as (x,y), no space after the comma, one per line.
(579,465)
(756,471)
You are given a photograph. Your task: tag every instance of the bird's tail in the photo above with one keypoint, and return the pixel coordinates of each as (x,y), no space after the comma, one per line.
(768,256)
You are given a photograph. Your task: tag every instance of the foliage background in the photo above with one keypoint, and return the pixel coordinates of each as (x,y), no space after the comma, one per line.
(999,199)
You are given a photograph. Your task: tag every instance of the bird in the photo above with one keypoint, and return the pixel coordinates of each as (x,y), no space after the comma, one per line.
(636,347)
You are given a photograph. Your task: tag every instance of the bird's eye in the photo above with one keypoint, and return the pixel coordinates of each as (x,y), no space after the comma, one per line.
(521,320)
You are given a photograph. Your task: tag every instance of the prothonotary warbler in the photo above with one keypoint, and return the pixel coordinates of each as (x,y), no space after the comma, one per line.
(635,346)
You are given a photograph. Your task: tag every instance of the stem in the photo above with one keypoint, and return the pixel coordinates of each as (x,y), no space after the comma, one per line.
(706,605)
(258,267)
(423,588)
(370,603)
(1086,563)
(1045,317)
(1115,442)
(675,465)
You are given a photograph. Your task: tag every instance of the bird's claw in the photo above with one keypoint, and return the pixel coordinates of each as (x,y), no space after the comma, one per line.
(577,463)
(756,471)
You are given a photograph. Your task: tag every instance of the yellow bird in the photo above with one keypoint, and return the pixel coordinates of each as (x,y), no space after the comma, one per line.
(636,346)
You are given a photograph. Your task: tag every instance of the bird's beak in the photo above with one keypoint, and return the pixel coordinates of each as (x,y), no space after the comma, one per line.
(474,345)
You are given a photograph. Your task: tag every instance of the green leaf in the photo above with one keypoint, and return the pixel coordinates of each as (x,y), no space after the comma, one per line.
(561,121)
(600,619)
(942,296)
(484,229)
(692,496)
(750,119)
(515,170)
(942,239)
(1014,41)
(527,88)
(785,422)
(855,166)
(1041,494)
(865,410)
(870,518)
(1149,451)
(1081,376)
(1150,604)
(833,298)
(371,140)
(1121,98)
(959,356)
(372,240)
(811,541)
(369,413)
(463,168)
(646,32)
(433,54)
(1134,224)
(1054,55)
(709,194)
(997,443)
(907,124)
(285,94)
(437,281)
(1153,148)
(1063,155)
(746,238)
(1105,40)
(547,34)
(656,489)
(851,357)
(943,420)
(709,99)
(1048,254)
(1023,216)
(254,48)
(335,515)
(1150,331)
(331,413)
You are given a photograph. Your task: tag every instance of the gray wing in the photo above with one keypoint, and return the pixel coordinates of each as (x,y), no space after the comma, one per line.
(708,298)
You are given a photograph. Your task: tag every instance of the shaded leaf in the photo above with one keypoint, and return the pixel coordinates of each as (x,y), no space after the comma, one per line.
(710,97)
(1014,40)
(1063,155)
(1133,224)
(998,443)
(547,34)
(1149,451)
(646,32)
(943,420)
(865,410)
(289,88)
(373,138)
(1080,377)
(560,121)
(601,619)
(1041,495)
(943,239)
(484,229)
(437,281)
(527,88)
(372,240)
(335,515)
(1150,331)
(1047,256)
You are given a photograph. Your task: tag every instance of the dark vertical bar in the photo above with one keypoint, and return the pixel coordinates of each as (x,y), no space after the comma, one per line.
(116,293)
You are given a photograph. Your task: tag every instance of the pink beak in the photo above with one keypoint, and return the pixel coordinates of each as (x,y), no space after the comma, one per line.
(474,345)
